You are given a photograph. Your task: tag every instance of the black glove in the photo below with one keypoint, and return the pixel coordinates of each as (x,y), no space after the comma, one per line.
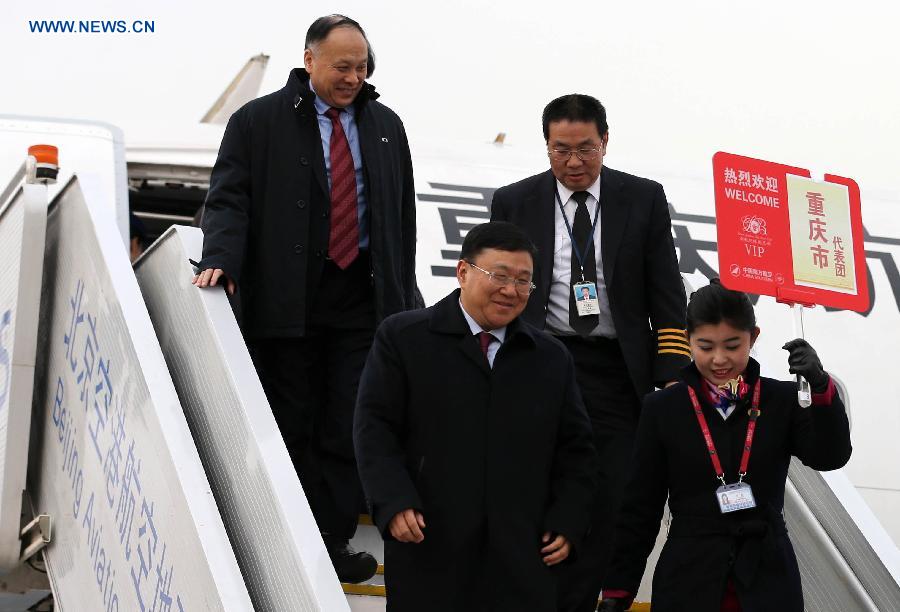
(803,360)
(613,605)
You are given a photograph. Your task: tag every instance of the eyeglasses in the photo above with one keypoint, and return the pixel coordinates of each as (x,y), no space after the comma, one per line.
(523,287)
(584,153)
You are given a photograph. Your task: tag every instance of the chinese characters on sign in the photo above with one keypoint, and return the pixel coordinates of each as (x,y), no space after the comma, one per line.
(5,359)
(821,234)
(86,394)
(745,178)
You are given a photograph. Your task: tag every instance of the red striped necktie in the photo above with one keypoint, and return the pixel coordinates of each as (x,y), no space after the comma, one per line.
(343,239)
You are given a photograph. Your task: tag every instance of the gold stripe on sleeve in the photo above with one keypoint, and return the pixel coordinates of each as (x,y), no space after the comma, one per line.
(672,330)
(677,345)
(674,352)
(672,337)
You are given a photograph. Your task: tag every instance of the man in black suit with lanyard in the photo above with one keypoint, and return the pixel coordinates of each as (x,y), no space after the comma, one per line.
(610,233)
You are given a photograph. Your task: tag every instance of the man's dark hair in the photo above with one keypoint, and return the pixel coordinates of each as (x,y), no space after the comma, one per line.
(575,107)
(714,303)
(322,27)
(498,235)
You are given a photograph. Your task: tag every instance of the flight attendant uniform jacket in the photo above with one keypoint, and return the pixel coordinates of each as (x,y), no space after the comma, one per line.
(704,546)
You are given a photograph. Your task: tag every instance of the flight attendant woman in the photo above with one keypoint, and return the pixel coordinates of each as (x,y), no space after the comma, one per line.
(718,444)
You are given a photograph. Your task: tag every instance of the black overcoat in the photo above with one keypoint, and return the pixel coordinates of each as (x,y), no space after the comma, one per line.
(646,295)
(266,221)
(492,458)
(705,546)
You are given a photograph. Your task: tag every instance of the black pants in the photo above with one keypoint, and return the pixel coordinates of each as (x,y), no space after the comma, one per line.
(613,407)
(311,385)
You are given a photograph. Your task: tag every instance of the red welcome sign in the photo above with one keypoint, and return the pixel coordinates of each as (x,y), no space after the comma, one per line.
(782,234)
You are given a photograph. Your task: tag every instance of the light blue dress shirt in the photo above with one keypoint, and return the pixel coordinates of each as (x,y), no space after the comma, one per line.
(348,121)
(499,334)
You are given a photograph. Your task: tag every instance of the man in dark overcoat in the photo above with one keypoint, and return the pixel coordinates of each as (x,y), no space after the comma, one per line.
(311,217)
(473,445)
(609,232)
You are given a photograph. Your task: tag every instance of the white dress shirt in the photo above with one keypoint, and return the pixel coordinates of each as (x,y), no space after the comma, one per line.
(499,334)
(561,280)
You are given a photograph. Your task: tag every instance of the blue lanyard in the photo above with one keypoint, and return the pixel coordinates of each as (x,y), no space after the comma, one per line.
(590,241)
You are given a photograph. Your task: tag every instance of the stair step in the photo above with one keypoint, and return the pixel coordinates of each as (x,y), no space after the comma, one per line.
(372,590)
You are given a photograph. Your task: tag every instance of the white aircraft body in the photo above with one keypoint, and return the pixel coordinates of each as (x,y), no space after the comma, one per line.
(167,176)
(454,186)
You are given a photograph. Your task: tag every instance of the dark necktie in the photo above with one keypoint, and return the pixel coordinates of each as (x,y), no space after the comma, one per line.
(343,239)
(583,238)
(485,339)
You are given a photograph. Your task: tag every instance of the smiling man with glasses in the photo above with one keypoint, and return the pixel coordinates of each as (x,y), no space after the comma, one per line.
(473,445)
(607,284)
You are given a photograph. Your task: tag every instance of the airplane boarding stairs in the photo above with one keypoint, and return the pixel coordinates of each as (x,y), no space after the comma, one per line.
(217,516)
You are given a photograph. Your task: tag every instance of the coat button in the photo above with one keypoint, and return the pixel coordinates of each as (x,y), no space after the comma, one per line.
(319,254)
(301,203)
(304,161)
(298,248)
(325,214)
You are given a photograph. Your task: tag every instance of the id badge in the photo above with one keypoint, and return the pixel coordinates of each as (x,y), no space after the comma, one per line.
(735,497)
(586,298)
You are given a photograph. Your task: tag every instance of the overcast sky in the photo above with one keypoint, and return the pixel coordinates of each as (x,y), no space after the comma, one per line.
(809,84)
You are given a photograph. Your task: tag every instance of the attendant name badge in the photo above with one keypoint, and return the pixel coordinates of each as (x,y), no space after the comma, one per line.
(733,497)
(586,298)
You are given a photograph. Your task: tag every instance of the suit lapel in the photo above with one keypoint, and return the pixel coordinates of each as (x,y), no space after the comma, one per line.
(542,224)
(614,212)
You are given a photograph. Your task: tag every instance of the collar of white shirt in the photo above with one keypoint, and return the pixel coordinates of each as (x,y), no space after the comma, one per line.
(565,193)
(499,333)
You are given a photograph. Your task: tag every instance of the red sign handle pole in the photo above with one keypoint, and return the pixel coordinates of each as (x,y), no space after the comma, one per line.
(804,393)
